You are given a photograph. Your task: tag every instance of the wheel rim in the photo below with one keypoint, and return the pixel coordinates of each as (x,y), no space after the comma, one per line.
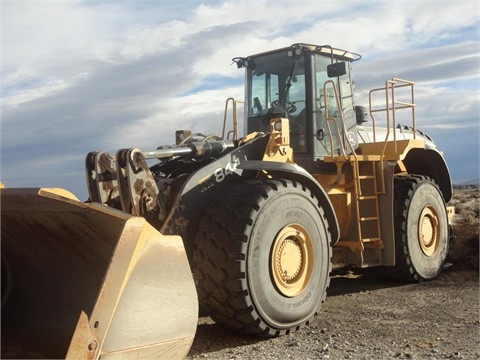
(428,231)
(292,260)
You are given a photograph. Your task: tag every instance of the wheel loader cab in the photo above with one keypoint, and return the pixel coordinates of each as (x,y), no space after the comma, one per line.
(311,86)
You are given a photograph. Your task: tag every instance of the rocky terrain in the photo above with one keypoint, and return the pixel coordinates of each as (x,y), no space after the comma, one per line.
(365,317)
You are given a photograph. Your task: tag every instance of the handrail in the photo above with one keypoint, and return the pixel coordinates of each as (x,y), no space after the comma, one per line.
(234,131)
(344,128)
(391,107)
(332,118)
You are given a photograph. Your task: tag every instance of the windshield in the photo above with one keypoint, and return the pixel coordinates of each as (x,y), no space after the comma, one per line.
(276,81)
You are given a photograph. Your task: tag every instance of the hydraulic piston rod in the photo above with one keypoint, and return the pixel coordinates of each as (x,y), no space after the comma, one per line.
(194,149)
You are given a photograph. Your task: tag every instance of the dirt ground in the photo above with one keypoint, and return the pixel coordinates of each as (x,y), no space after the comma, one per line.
(365,317)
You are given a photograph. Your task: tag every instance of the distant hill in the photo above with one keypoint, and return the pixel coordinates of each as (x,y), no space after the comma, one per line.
(470,183)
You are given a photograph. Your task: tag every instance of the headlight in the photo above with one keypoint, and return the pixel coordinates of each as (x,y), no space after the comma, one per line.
(278,125)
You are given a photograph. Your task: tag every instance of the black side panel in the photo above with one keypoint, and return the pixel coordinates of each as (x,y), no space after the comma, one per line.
(206,184)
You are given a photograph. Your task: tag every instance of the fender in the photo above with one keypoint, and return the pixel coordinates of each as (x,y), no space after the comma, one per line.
(294,172)
(431,163)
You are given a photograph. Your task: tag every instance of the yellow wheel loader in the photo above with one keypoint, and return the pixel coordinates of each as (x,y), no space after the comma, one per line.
(250,226)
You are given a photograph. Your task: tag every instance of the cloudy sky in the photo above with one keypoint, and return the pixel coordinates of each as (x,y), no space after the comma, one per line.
(78,76)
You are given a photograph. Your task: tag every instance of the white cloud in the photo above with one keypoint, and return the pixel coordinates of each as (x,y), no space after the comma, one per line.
(50,88)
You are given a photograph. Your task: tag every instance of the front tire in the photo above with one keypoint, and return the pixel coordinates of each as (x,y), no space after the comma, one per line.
(262,257)
(421,229)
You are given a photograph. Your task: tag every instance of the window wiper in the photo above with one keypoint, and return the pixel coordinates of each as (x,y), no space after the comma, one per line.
(281,101)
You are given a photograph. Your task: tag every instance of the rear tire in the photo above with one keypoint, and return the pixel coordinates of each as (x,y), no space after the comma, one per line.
(421,229)
(262,257)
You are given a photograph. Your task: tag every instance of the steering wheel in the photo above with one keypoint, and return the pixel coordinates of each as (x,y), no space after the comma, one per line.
(290,107)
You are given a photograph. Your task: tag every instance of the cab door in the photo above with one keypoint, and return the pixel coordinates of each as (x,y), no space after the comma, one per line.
(335,123)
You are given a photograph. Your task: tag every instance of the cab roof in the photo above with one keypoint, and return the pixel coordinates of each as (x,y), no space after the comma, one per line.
(326,50)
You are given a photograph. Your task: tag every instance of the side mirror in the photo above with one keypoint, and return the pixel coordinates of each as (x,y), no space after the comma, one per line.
(337,69)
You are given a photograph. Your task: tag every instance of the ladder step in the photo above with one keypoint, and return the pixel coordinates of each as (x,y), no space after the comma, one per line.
(367,197)
(370,218)
(366,177)
(371,239)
